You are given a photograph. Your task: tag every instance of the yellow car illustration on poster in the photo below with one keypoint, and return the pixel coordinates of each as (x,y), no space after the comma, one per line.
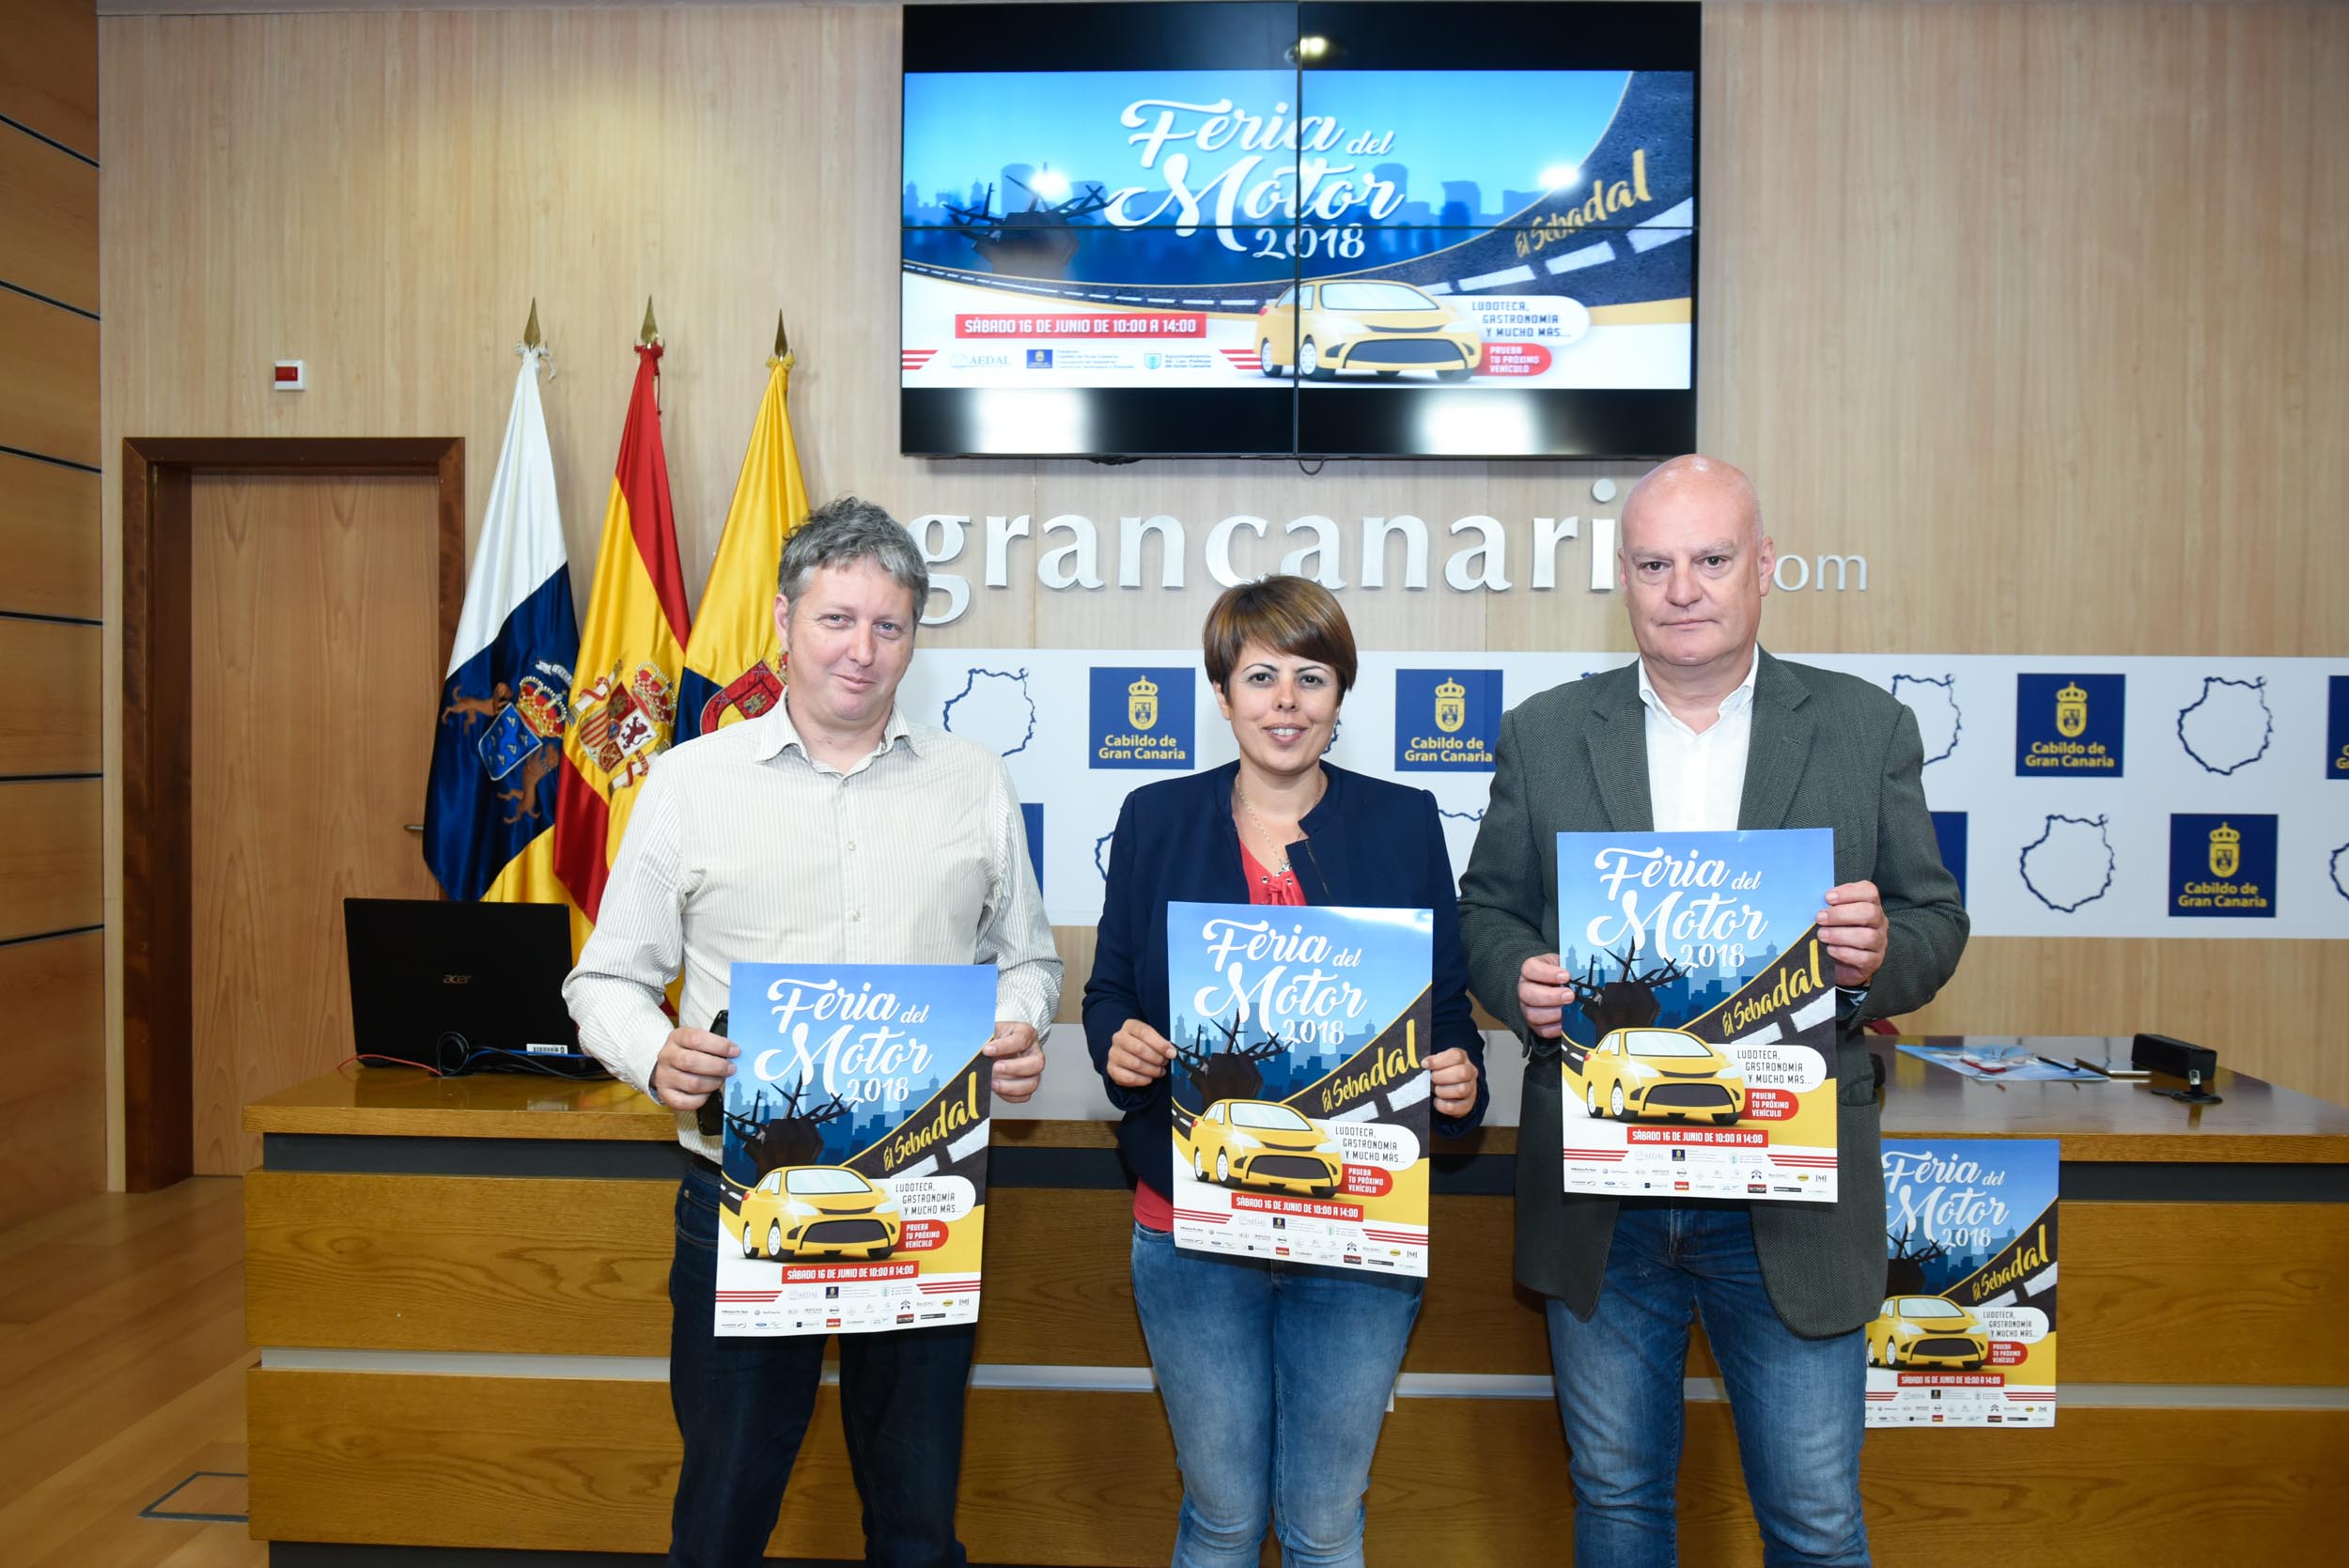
(818,1211)
(1365,324)
(1659,1075)
(1265,1143)
(1926,1331)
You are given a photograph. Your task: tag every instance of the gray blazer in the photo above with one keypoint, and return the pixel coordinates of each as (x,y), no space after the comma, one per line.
(1829,751)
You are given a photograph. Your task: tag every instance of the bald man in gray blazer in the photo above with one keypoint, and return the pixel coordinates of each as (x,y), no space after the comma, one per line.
(1705,732)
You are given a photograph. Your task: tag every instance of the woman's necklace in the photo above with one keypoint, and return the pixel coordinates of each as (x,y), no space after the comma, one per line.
(1280,850)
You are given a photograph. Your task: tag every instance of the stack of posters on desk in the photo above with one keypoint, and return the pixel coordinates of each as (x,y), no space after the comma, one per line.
(855,1165)
(1300,1087)
(1967,1334)
(1699,1056)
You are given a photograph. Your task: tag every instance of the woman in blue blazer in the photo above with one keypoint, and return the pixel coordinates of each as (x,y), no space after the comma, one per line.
(1275,1374)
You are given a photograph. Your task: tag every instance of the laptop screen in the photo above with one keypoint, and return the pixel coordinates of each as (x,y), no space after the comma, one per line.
(439,983)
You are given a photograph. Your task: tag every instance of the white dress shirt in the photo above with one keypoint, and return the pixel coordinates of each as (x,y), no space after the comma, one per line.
(746,849)
(1696,779)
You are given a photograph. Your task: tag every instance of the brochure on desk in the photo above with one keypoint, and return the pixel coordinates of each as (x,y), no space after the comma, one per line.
(1697,1058)
(1989,1060)
(1301,1088)
(1967,1334)
(856,1129)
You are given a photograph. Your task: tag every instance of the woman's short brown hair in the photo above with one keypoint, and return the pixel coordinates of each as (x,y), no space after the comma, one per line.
(1292,615)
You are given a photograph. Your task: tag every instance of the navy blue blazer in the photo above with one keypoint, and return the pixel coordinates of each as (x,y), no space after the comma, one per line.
(1368,842)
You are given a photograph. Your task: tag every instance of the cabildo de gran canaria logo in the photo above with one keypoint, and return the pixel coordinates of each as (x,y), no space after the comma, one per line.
(2222,865)
(2071,710)
(1446,719)
(2069,727)
(1141,719)
(2226,850)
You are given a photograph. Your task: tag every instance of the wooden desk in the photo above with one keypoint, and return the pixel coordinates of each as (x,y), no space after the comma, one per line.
(459,1290)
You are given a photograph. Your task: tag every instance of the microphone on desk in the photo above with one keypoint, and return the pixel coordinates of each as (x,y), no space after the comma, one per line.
(710,1119)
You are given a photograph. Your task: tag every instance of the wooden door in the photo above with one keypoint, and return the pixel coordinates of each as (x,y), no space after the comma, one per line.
(314,689)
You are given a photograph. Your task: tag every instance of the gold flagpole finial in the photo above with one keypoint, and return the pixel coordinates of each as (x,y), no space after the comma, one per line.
(650,333)
(530,331)
(783,339)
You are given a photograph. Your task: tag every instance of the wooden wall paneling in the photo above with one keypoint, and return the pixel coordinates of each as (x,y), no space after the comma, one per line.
(1923,316)
(49,515)
(1062,1476)
(315,668)
(2275,1016)
(49,398)
(48,72)
(49,872)
(1075,944)
(1060,1279)
(50,245)
(53,1091)
(413,1262)
(49,711)
(2241,1284)
(425,1262)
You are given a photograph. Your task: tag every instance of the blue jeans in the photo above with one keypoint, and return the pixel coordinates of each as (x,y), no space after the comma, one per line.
(743,1406)
(1798,1403)
(1276,1377)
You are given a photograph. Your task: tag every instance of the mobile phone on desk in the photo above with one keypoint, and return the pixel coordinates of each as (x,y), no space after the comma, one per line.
(710,1118)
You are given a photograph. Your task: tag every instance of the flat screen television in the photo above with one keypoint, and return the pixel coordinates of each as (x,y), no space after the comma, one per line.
(1299,230)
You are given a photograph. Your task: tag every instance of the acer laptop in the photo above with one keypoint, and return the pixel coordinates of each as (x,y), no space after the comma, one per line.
(462,987)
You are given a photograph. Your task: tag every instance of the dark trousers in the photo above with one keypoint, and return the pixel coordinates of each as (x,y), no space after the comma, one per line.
(742,1405)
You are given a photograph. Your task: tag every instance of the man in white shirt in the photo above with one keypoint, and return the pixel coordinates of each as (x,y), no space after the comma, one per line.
(1706,732)
(827,830)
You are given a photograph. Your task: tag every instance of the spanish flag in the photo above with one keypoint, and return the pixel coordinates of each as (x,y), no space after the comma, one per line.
(734,668)
(631,653)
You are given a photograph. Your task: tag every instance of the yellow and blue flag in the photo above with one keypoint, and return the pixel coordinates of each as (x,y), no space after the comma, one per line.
(489,816)
(734,666)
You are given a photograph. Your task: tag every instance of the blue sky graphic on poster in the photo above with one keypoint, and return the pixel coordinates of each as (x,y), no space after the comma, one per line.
(1325,1001)
(1969,1197)
(1755,894)
(852,1047)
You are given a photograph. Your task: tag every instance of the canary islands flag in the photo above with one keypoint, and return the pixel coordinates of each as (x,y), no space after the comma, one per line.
(489,816)
(631,653)
(734,668)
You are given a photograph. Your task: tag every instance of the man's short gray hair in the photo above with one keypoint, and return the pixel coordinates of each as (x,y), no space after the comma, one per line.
(844,532)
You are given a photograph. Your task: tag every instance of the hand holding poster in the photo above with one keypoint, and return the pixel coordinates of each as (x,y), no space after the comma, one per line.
(1698,1054)
(855,1160)
(1967,1334)
(1300,1087)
